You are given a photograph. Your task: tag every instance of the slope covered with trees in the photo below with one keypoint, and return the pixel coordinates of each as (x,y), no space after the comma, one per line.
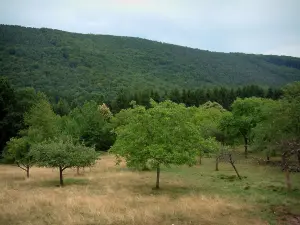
(87,66)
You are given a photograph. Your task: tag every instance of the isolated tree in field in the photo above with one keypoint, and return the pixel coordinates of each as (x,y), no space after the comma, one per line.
(17,151)
(161,135)
(62,154)
(246,114)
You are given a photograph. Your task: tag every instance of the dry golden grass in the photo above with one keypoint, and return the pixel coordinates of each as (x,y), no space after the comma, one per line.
(109,195)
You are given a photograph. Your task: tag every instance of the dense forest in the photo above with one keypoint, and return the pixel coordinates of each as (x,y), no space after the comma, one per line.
(83,67)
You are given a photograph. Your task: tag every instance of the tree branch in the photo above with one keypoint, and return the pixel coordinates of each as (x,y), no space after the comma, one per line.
(25,169)
(64,168)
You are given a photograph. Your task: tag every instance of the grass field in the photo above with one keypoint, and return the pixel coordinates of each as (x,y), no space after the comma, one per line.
(110,194)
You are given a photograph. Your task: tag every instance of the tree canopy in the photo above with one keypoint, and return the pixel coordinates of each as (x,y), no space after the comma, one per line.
(164,134)
(62,154)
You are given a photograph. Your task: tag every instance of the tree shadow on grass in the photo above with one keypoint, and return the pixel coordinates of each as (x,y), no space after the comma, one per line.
(171,190)
(67,182)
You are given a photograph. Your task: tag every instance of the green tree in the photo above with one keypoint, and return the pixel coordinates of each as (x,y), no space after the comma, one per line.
(62,154)
(42,122)
(161,135)
(246,114)
(207,117)
(62,107)
(17,151)
(93,125)
(280,120)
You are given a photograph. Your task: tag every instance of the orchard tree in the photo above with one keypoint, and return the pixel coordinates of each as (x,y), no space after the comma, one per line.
(280,121)
(161,135)
(246,114)
(207,117)
(62,154)
(17,151)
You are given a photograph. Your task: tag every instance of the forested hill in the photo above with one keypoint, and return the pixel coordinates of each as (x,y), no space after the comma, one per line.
(84,65)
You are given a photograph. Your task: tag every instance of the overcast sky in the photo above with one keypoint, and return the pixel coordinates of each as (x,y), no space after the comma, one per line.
(250,26)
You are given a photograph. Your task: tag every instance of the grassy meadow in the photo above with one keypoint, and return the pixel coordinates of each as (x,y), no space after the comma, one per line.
(109,194)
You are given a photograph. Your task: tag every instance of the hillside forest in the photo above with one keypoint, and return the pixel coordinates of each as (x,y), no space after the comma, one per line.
(80,67)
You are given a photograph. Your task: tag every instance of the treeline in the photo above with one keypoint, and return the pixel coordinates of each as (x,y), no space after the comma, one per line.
(16,102)
(224,96)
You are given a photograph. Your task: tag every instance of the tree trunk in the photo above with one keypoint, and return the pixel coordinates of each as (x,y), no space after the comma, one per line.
(246,146)
(157,176)
(77,170)
(27,171)
(298,156)
(200,159)
(237,173)
(217,163)
(61,181)
(235,169)
(288,179)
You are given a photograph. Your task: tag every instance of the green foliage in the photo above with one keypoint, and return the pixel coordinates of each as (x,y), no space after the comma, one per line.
(207,118)
(280,120)
(246,114)
(60,153)
(17,151)
(8,125)
(95,67)
(13,105)
(163,134)
(62,107)
(291,106)
(43,123)
(90,124)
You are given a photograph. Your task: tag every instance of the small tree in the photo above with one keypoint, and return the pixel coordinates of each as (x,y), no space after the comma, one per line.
(62,154)
(18,152)
(290,152)
(161,135)
(246,114)
(227,156)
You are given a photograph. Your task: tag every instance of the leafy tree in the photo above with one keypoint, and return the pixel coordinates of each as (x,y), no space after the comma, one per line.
(291,104)
(42,122)
(207,118)
(17,151)
(246,114)
(161,135)
(62,154)
(62,107)
(280,120)
(93,126)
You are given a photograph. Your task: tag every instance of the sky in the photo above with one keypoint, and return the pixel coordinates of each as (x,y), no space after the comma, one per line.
(249,26)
